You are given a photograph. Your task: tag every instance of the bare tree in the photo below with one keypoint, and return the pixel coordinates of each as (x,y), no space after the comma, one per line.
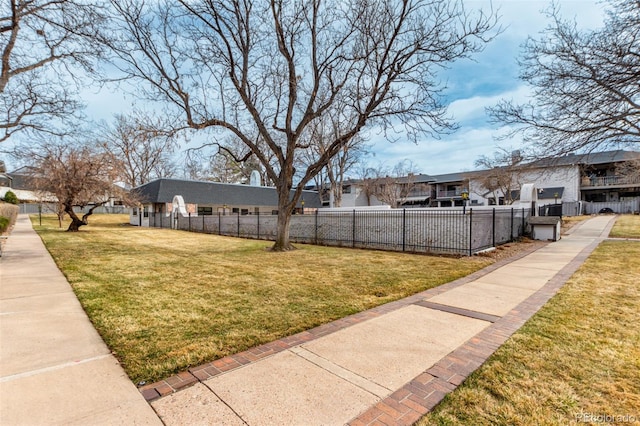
(265,71)
(502,175)
(330,180)
(394,186)
(138,151)
(629,171)
(78,175)
(585,85)
(43,46)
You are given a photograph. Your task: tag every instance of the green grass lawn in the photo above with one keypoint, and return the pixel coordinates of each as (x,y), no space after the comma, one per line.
(165,300)
(576,361)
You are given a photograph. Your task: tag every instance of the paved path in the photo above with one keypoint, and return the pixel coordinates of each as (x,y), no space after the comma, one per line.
(54,367)
(387,365)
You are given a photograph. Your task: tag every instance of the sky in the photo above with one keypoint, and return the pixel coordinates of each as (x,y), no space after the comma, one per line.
(472,85)
(475,85)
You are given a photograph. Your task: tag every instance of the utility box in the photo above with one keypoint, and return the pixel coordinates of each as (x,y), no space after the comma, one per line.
(546,228)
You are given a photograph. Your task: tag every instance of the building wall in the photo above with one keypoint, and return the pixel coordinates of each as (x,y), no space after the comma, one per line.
(567,177)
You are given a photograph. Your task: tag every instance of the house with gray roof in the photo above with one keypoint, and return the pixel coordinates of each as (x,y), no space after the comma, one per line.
(203,198)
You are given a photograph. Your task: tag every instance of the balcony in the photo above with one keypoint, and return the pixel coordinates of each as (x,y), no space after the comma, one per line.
(609,181)
(419,192)
(450,194)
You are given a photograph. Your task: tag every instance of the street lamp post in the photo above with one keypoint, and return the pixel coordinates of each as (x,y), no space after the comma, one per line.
(465,197)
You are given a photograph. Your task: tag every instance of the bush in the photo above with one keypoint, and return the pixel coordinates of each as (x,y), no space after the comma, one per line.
(8,212)
(4,224)
(11,198)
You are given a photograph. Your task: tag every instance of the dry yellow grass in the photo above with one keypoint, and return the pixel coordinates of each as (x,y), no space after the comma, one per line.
(165,300)
(576,360)
(626,226)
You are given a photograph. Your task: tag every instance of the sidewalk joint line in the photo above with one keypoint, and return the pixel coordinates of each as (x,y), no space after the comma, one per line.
(341,368)
(458,311)
(52,368)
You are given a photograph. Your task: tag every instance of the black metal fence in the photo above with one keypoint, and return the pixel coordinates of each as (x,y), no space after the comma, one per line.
(34,208)
(453,231)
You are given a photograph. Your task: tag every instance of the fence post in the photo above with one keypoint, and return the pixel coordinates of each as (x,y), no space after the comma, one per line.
(258,225)
(316,228)
(404,228)
(353,229)
(219,224)
(471,232)
(522,233)
(189,221)
(494,227)
(204,230)
(511,232)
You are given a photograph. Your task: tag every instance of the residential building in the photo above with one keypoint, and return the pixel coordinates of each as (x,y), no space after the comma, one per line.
(203,198)
(591,177)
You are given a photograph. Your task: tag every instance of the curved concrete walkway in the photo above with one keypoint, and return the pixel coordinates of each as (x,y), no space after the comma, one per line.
(54,367)
(388,365)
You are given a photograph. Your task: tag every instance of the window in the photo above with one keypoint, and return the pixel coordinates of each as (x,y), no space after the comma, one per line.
(205,211)
(244,212)
(346,189)
(235,210)
(135,211)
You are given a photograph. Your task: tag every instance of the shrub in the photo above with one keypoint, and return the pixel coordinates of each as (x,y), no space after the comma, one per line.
(9,212)
(4,224)
(10,197)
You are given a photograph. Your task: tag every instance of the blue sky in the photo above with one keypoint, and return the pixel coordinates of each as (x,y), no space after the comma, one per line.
(472,86)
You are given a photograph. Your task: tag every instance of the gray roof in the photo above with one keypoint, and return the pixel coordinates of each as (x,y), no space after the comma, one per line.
(591,158)
(451,177)
(202,192)
(21,178)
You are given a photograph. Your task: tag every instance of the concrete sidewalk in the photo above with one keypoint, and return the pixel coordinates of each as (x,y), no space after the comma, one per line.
(54,367)
(389,365)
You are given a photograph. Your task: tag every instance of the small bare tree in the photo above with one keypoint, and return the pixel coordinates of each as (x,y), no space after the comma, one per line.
(78,175)
(392,187)
(585,85)
(266,70)
(629,171)
(44,44)
(502,174)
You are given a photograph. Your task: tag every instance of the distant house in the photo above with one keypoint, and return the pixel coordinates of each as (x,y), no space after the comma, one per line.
(202,198)
(19,182)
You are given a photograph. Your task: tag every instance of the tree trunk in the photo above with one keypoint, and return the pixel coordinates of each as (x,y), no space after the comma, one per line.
(285,210)
(77,222)
(337,194)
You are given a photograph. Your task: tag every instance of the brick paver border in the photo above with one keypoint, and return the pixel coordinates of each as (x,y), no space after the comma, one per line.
(418,397)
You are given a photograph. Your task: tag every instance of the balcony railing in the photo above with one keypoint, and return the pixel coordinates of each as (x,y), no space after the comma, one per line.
(419,193)
(450,194)
(609,181)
